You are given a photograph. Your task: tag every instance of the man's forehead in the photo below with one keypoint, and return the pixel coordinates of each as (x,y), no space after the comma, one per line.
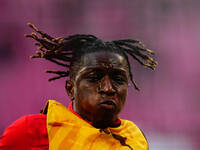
(103,59)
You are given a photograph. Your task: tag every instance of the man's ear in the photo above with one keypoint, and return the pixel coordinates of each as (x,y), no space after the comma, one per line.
(69,86)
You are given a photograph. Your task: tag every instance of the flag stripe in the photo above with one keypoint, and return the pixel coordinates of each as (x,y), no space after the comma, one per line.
(70,139)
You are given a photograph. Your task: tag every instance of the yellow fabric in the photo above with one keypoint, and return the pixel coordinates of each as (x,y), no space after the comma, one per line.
(67,131)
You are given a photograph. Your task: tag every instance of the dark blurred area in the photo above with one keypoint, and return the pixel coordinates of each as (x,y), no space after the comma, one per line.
(168,106)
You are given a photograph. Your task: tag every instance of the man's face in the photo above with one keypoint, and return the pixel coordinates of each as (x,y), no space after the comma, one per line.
(100,87)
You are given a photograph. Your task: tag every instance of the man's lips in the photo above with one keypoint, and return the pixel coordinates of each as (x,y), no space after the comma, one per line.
(108,104)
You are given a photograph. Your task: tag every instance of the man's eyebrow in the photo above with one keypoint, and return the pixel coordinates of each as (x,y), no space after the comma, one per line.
(90,69)
(119,69)
(87,70)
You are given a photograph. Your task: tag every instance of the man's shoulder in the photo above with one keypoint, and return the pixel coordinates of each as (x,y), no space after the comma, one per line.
(35,124)
(127,124)
(29,123)
(134,131)
(29,129)
(26,122)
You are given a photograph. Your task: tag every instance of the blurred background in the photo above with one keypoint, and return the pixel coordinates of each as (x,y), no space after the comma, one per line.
(167,108)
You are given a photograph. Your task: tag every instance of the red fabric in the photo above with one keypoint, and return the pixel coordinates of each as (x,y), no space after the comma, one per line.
(27,133)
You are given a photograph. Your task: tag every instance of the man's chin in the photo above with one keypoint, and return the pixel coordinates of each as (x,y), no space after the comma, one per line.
(106,110)
(103,124)
(105,119)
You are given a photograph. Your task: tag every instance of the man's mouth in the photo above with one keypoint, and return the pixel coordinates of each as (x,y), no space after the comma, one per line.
(108,104)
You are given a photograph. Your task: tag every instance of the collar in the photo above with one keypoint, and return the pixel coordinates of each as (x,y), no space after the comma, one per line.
(70,107)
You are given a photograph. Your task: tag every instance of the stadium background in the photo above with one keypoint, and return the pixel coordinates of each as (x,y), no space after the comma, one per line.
(168,106)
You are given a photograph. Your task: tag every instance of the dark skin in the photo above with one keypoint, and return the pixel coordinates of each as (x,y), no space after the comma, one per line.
(99,88)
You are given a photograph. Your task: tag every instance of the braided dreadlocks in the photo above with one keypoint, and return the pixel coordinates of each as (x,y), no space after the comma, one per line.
(66,51)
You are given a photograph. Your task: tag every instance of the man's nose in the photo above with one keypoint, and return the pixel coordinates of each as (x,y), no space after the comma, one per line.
(106,86)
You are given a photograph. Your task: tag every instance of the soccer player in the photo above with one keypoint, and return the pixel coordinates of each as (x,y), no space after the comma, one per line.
(97,75)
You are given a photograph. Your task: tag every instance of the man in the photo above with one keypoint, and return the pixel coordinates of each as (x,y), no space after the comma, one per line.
(98,74)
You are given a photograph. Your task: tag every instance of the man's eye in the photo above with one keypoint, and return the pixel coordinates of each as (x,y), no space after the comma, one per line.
(94,77)
(119,79)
